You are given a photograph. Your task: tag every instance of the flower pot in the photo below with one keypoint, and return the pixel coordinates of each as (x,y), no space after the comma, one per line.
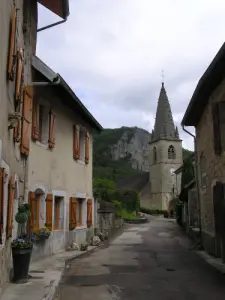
(21,263)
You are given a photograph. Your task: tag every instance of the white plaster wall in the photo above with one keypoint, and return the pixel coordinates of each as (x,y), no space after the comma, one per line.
(55,171)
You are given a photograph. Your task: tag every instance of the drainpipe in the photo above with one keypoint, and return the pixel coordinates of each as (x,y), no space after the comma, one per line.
(51,25)
(197,182)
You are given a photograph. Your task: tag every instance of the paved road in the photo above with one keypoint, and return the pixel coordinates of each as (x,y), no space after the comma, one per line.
(146,262)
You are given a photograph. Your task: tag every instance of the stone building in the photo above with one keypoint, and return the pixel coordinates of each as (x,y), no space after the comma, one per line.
(18,28)
(206,112)
(165,155)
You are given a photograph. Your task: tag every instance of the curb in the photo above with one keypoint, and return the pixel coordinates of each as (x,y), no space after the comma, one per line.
(54,289)
(136,221)
(67,261)
(216,263)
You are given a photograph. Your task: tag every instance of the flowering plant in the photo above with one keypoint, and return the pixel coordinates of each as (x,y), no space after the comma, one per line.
(42,233)
(22,242)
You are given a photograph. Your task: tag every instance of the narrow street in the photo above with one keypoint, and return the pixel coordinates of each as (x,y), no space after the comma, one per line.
(146,262)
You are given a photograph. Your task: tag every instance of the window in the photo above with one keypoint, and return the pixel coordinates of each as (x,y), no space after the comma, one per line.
(43,119)
(59,213)
(43,127)
(81,140)
(154,155)
(203,171)
(171,152)
(82,144)
(79,206)
(36,201)
(218,116)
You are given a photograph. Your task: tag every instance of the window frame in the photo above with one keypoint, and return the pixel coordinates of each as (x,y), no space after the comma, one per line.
(79,222)
(37,126)
(58,216)
(171,152)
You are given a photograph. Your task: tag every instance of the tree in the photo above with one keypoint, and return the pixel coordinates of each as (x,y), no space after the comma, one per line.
(102,187)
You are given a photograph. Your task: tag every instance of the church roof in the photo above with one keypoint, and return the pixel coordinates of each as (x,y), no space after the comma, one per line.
(164,125)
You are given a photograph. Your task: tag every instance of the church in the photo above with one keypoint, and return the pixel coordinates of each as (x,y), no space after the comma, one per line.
(165,156)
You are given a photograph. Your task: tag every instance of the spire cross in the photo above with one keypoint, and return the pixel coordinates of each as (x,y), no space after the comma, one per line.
(163,76)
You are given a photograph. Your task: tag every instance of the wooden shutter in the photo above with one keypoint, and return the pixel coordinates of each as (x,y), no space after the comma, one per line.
(72,213)
(35,123)
(10,208)
(32,203)
(11,58)
(2,175)
(216,129)
(76,146)
(26,122)
(49,202)
(51,141)
(19,75)
(87,149)
(89,213)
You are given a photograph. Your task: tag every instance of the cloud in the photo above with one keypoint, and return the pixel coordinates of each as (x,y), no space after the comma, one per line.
(112,53)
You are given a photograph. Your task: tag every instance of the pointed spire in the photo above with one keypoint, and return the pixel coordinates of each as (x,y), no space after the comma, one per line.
(164,125)
(177,133)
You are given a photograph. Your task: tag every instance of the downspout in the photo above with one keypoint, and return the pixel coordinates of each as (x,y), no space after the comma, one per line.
(51,25)
(197,182)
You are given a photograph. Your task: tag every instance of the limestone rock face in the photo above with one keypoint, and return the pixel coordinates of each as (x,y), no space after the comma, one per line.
(133,146)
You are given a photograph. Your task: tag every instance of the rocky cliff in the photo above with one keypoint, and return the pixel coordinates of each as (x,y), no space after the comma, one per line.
(132,144)
(120,152)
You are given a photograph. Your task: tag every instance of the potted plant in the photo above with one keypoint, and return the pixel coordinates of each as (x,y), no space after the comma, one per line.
(41,234)
(21,247)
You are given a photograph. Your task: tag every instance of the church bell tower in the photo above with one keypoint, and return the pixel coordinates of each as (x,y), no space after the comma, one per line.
(165,155)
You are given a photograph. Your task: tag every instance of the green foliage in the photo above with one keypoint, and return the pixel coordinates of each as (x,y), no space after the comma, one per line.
(102,187)
(128,215)
(152,211)
(23,214)
(103,164)
(188,172)
(130,200)
(186,153)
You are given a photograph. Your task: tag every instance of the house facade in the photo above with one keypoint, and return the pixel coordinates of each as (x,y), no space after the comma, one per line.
(18,27)
(206,112)
(59,184)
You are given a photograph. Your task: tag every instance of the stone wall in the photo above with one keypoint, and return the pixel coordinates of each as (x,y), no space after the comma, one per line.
(10,159)
(215,167)
(107,222)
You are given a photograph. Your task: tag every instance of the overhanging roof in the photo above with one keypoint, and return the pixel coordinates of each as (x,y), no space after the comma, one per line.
(179,170)
(212,77)
(69,97)
(59,7)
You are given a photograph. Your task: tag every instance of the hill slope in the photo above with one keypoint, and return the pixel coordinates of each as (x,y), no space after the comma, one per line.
(122,152)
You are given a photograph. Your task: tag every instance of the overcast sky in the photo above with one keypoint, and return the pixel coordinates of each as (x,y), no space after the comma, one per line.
(111,52)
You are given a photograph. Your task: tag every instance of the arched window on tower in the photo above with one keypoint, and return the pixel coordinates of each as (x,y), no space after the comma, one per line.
(154,155)
(171,152)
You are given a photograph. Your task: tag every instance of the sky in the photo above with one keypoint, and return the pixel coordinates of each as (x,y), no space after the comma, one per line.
(112,53)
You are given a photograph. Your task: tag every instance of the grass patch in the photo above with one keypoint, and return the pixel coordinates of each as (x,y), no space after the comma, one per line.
(128,215)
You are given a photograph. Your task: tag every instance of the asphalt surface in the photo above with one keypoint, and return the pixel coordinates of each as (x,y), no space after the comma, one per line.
(145,262)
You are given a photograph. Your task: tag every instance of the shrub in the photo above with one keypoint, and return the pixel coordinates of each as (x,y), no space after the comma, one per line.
(129,199)
(153,211)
